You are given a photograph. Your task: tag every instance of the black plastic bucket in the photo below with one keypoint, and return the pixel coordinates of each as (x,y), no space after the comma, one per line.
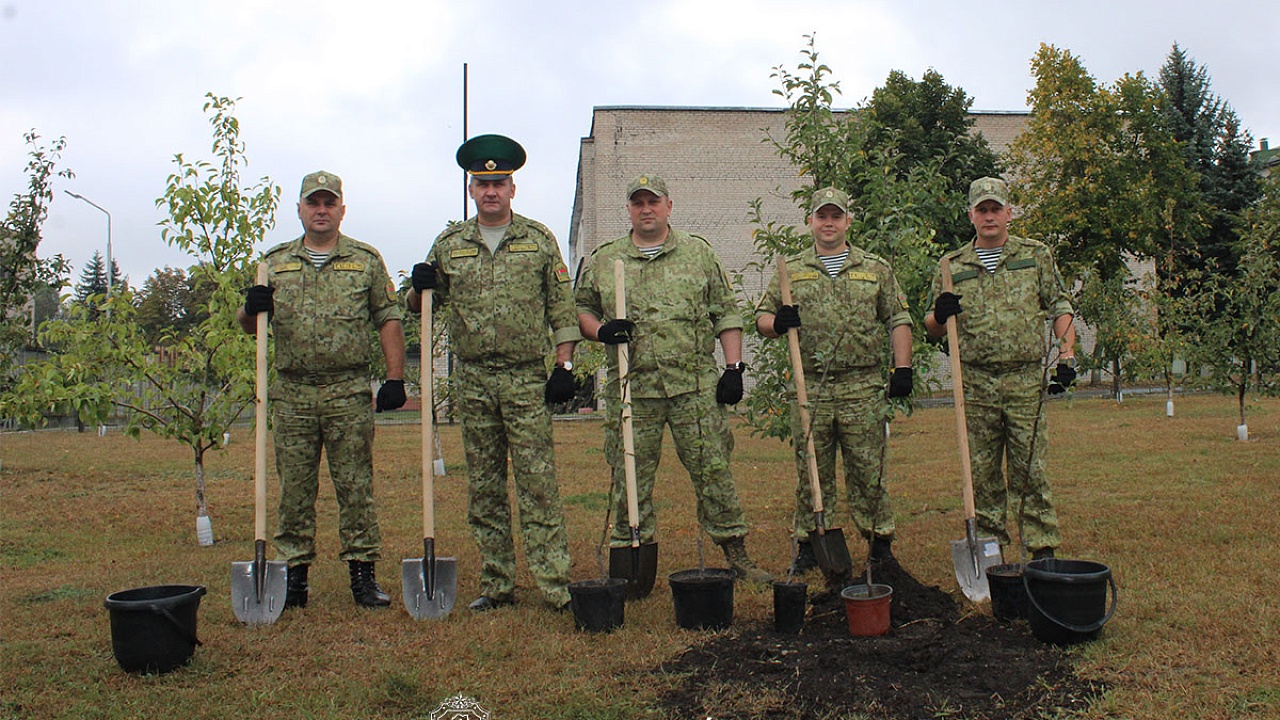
(789,599)
(1008,596)
(598,605)
(703,599)
(1067,599)
(153,629)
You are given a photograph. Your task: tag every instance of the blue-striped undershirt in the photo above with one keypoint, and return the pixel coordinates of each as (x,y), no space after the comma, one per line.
(833,263)
(651,251)
(317,258)
(990,257)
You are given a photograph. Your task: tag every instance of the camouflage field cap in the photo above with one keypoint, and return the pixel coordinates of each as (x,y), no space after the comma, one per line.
(490,156)
(829,196)
(321,180)
(988,188)
(652,183)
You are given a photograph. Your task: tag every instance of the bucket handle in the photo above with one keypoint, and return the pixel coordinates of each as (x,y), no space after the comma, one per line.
(186,634)
(1115,599)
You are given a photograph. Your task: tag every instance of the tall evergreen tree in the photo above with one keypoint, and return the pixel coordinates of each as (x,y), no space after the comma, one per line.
(1216,147)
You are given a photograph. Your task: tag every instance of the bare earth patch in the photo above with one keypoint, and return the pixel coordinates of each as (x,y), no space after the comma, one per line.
(935,662)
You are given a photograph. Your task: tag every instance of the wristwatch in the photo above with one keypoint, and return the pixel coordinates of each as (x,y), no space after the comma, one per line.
(567,365)
(736,366)
(1070,362)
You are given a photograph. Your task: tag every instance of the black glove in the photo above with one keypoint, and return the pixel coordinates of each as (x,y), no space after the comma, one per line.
(945,306)
(391,395)
(560,386)
(900,382)
(258,299)
(1064,376)
(424,276)
(787,317)
(616,331)
(729,389)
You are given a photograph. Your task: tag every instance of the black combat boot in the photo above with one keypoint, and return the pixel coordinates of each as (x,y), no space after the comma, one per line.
(882,549)
(295,593)
(805,559)
(364,586)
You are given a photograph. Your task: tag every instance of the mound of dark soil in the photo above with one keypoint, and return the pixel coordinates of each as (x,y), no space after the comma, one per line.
(935,662)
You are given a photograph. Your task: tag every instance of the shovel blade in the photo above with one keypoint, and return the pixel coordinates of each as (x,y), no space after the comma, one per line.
(831,551)
(971,562)
(251,606)
(637,565)
(425,603)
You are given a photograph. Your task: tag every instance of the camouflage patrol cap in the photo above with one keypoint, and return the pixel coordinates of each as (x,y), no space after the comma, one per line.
(829,196)
(652,183)
(321,180)
(988,188)
(490,156)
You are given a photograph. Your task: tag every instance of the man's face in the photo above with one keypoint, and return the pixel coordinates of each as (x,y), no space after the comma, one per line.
(321,212)
(829,225)
(649,213)
(991,220)
(492,197)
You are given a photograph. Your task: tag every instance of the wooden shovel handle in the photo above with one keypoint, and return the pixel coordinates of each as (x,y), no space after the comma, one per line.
(802,395)
(624,386)
(957,392)
(427,391)
(260,421)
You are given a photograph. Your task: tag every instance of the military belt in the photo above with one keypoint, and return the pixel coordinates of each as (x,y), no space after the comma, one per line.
(321,378)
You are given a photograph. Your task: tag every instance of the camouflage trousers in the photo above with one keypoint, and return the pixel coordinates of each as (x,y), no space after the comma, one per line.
(503,413)
(337,419)
(842,414)
(1007,425)
(704,442)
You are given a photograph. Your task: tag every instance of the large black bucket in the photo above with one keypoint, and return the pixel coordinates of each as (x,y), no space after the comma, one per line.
(598,605)
(789,600)
(1067,599)
(703,599)
(153,629)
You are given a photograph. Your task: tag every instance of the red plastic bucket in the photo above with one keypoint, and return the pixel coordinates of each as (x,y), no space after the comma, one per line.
(867,613)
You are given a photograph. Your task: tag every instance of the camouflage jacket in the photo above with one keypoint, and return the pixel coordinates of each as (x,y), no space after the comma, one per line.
(847,318)
(499,305)
(324,318)
(680,301)
(1004,313)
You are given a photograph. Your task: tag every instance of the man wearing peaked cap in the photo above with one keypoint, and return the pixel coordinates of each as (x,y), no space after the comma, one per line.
(679,304)
(1014,289)
(324,293)
(505,293)
(854,310)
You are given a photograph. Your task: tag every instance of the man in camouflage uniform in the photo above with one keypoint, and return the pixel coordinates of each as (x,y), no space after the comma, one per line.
(325,293)
(505,291)
(679,301)
(1010,286)
(850,301)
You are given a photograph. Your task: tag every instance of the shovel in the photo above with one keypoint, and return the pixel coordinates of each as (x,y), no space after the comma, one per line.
(637,564)
(429,584)
(258,587)
(829,547)
(972,555)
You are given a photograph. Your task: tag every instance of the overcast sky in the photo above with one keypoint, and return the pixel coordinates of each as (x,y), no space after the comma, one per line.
(372,90)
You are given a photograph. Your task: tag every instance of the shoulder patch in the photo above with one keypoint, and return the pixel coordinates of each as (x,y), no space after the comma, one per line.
(562,273)
(464,252)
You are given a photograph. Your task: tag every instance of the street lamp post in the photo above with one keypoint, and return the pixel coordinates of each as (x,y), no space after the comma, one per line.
(104,212)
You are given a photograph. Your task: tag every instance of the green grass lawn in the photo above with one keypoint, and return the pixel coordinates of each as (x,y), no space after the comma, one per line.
(1185,515)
